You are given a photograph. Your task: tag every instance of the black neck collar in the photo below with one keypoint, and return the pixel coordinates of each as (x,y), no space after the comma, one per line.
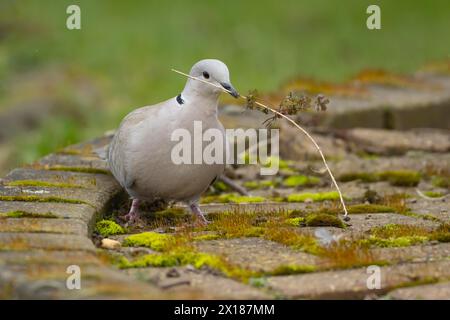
(180,99)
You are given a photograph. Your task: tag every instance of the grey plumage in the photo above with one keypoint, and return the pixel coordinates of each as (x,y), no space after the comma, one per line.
(140,152)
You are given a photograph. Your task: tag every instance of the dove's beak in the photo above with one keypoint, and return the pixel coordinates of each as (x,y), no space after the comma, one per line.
(230,89)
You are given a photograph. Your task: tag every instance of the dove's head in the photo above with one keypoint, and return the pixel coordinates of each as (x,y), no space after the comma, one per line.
(213,71)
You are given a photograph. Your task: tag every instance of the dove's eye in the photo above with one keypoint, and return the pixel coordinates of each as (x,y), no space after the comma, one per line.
(205,75)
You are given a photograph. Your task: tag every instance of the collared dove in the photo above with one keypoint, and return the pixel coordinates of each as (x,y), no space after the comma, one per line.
(140,152)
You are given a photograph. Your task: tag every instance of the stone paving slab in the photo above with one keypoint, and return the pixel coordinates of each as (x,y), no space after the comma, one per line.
(352,284)
(419,253)
(53,194)
(62,226)
(32,282)
(26,241)
(45,257)
(439,291)
(256,254)
(213,286)
(81,212)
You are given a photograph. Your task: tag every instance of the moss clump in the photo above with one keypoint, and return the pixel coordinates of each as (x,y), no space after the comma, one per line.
(442,233)
(369,208)
(261,184)
(290,237)
(170,214)
(440,182)
(323,220)
(300,180)
(293,269)
(396,235)
(152,240)
(184,257)
(24,214)
(42,199)
(78,169)
(405,241)
(231,198)
(296,222)
(34,183)
(401,178)
(220,186)
(108,228)
(321,196)
(363,176)
(433,194)
(273,161)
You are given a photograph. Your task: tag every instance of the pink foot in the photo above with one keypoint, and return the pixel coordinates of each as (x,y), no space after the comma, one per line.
(201,220)
(133,216)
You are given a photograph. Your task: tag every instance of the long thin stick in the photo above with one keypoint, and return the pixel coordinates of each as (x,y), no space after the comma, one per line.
(288,119)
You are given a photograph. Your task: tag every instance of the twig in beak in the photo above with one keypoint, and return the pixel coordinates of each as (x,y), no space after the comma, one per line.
(291,121)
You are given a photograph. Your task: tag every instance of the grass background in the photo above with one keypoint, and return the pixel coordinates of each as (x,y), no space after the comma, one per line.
(121,58)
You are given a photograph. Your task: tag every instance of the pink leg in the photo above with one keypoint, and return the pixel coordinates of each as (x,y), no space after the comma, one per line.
(133,215)
(198,213)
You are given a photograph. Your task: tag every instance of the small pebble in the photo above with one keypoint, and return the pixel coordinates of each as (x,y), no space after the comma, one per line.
(110,244)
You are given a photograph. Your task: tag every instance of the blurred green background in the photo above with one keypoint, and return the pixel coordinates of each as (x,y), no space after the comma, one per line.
(60,86)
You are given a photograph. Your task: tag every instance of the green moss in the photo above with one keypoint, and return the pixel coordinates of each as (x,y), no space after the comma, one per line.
(397,235)
(108,227)
(323,220)
(363,176)
(273,161)
(401,178)
(404,241)
(369,208)
(260,184)
(295,221)
(152,240)
(440,182)
(300,180)
(79,169)
(293,269)
(33,183)
(220,186)
(321,196)
(231,198)
(42,199)
(183,257)
(442,233)
(433,194)
(246,199)
(170,214)
(24,214)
